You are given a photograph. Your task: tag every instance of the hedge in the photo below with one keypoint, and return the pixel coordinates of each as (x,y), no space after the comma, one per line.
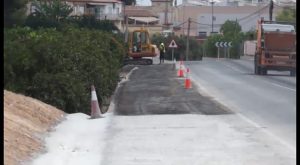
(59,67)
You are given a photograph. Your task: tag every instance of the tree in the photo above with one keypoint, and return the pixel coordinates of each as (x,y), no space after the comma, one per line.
(54,10)
(230,28)
(14,12)
(250,35)
(209,44)
(287,14)
(232,32)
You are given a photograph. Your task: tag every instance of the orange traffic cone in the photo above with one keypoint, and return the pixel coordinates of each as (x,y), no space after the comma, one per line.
(187,83)
(180,71)
(95,109)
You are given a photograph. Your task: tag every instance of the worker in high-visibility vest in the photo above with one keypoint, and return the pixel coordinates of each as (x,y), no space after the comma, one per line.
(162,51)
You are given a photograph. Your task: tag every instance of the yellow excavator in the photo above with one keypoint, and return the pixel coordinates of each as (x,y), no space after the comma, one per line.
(139,46)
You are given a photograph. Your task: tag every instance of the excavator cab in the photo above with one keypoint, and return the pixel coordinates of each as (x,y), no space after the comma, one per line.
(139,41)
(139,45)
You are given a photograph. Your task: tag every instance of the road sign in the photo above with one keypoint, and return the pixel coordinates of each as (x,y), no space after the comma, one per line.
(173,44)
(223,44)
(217,44)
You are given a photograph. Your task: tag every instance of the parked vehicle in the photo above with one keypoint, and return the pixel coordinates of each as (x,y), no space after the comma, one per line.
(275,47)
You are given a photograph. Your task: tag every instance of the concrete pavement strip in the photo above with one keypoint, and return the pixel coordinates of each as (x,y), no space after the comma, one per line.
(157,121)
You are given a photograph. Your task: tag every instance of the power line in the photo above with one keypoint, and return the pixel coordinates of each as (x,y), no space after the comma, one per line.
(181,24)
(284,6)
(201,23)
(246,19)
(240,19)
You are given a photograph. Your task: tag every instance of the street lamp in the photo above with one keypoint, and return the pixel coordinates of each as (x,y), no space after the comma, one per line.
(212,16)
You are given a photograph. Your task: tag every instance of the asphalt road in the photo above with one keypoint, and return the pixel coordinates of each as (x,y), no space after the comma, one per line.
(156,121)
(266,101)
(156,89)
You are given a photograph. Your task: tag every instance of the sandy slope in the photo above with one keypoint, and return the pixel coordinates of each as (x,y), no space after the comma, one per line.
(26,122)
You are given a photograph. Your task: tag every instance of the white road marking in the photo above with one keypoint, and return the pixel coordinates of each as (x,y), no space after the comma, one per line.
(283,87)
(235,69)
(268,132)
(203,90)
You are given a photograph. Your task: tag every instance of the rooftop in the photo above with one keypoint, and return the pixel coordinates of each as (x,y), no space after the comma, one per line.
(139,13)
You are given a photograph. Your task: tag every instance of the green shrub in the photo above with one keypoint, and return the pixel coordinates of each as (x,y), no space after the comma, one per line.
(59,67)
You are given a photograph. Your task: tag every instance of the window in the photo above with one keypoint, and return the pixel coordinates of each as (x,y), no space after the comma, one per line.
(97,11)
(32,8)
(117,10)
(202,34)
(80,10)
(109,10)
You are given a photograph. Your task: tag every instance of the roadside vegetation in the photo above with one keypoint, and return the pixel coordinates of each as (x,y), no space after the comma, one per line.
(56,58)
(287,14)
(231,31)
(180,52)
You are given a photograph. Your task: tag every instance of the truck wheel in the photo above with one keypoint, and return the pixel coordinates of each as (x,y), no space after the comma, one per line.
(257,69)
(263,71)
(293,73)
(255,66)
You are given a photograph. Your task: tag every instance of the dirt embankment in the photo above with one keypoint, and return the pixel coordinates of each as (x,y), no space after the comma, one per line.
(26,122)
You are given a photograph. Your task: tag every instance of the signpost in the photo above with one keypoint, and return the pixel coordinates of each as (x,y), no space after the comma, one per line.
(173,45)
(223,45)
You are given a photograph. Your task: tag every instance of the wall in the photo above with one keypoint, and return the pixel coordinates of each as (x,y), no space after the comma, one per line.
(203,15)
(249,48)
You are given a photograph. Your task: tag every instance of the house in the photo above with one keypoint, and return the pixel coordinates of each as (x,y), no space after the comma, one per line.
(164,10)
(142,17)
(209,19)
(101,9)
(160,14)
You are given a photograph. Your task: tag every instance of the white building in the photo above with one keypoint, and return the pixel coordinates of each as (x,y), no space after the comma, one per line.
(101,9)
(206,19)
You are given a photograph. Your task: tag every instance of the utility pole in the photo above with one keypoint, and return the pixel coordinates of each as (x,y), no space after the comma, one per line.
(187,40)
(166,14)
(183,18)
(212,16)
(126,23)
(126,30)
(271,9)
